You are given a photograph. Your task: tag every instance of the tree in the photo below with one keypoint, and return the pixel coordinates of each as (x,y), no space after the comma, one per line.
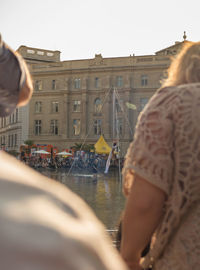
(88,147)
(85,147)
(77,146)
(29,143)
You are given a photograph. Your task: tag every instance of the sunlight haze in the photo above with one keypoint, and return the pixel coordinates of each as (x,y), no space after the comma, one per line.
(82,28)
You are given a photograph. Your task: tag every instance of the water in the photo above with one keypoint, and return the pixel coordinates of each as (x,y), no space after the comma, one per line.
(103,193)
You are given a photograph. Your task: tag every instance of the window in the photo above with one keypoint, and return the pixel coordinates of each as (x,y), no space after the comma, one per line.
(16,116)
(97,105)
(38,107)
(4,121)
(77,83)
(144,80)
(15,139)
(12,118)
(9,140)
(143,102)
(38,85)
(118,105)
(40,53)
(38,127)
(30,51)
(12,140)
(54,106)
(76,126)
(96,82)
(54,127)
(97,127)
(53,84)
(4,141)
(49,54)
(77,106)
(118,126)
(119,82)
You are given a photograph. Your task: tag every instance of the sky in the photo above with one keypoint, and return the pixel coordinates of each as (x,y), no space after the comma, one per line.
(82,28)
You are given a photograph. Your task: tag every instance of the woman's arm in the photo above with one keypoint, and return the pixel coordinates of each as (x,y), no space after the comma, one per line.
(142,215)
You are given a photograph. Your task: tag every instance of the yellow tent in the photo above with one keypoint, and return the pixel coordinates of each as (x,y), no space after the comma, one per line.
(101,146)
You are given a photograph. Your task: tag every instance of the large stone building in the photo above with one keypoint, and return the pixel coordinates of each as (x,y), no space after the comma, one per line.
(14,129)
(76,101)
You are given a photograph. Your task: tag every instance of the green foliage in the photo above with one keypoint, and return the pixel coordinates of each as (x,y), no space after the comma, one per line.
(85,147)
(29,142)
(77,146)
(88,147)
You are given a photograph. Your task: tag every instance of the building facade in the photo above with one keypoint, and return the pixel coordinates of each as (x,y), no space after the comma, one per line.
(14,129)
(76,101)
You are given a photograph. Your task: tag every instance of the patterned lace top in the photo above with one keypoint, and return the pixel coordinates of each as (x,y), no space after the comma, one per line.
(166,152)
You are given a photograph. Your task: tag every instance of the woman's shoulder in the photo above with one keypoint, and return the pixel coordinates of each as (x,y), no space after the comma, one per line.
(178,89)
(162,100)
(169,95)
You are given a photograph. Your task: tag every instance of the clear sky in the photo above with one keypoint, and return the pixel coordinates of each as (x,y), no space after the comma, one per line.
(81,28)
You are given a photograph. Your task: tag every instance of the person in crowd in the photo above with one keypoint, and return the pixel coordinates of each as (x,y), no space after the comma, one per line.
(162,173)
(43,225)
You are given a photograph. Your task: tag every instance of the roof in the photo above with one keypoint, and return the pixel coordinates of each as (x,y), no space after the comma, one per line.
(172,50)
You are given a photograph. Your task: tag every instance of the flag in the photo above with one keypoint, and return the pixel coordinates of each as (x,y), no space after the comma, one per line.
(108,161)
(131,106)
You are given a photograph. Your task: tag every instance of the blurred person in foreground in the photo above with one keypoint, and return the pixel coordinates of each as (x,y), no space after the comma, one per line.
(43,225)
(162,173)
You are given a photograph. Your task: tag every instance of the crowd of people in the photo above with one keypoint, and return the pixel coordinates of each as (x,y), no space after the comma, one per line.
(80,161)
(36,161)
(43,225)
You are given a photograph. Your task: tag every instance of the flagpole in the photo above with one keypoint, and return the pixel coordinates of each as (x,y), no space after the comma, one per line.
(117,133)
(113,114)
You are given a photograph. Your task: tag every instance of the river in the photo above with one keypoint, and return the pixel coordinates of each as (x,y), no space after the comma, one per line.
(102,192)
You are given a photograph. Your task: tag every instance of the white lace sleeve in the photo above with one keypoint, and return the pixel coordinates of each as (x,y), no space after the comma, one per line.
(150,154)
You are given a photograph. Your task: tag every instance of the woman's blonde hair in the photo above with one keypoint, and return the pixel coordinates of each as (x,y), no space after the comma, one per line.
(185,67)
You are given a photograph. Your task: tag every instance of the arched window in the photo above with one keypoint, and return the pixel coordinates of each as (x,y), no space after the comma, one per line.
(76,126)
(97,126)
(97,105)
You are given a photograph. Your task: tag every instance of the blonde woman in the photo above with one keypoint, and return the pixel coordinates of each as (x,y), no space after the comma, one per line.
(162,173)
